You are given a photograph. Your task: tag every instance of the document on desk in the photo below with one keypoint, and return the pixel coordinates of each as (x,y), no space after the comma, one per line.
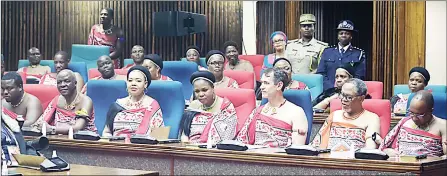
(266,149)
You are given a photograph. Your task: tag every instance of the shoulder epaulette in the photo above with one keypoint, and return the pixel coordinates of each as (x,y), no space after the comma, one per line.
(358,48)
(291,41)
(322,43)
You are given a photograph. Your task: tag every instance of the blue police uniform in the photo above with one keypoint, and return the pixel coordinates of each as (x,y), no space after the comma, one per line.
(334,56)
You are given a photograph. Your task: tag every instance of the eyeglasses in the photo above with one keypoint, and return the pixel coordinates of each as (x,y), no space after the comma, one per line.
(216,63)
(347,97)
(277,41)
(412,114)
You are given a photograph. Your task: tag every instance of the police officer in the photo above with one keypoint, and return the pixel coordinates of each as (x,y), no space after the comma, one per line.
(303,53)
(342,53)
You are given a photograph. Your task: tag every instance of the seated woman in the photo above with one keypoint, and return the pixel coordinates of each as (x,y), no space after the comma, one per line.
(210,117)
(215,60)
(352,127)
(278,41)
(154,63)
(137,113)
(284,64)
(279,123)
(419,78)
(34,71)
(420,132)
(61,60)
(69,109)
(342,74)
(193,55)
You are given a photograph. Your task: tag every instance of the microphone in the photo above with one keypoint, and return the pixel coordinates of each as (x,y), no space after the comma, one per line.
(39,144)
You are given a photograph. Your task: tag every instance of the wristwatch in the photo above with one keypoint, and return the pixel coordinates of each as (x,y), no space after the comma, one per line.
(52,129)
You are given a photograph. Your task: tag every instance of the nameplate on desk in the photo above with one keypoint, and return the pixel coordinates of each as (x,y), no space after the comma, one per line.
(160,133)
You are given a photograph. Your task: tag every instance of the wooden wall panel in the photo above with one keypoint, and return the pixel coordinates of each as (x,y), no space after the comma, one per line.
(56,25)
(398,41)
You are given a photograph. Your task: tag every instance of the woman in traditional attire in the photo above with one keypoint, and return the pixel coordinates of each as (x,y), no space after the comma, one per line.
(154,63)
(210,117)
(419,78)
(193,55)
(137,113)
(35,71)
(285,65)
(215,60)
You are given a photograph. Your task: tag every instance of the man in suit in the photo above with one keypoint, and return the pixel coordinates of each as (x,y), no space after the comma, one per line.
(342,53)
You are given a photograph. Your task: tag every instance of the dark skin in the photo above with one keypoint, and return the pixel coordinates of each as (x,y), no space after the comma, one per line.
(232,54)
(34,56)
(344,37)
(204,92)
(307,32)
(106,19)
(137,54)
(60,63)
(105,67)
(66,85)
(30,108)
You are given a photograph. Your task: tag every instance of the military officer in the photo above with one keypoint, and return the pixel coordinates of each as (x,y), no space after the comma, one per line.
(342,53)
(303,53)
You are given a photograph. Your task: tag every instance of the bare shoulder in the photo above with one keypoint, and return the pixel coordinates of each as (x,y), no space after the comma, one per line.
(372,117)
(441,122)
(86,99)
(297,111)
(32,98)
(195,104)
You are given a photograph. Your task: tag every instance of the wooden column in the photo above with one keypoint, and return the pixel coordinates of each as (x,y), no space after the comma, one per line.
(398,41)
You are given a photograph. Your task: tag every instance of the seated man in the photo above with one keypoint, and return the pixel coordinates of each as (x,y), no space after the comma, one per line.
(210,117)
(69,109)
(273,124)
(34,71)
(106,68)
(352,126)
(154,63)
(420,132)
(137,56)
(234,63)
(61,60)
(17,102)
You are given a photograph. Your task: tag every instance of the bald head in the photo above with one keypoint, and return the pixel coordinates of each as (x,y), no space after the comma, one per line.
(34,56)
(66,82)
(103,59)
(137,54)
(425,97)
(61,60)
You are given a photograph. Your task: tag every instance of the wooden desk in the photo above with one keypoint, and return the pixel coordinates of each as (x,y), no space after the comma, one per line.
(83,170)
(181,159)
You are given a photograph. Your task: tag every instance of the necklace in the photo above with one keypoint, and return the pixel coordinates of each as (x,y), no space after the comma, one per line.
(267,109)
(210,107)
(427,126)
(20,102)
(72,105)
(354,116)
(107,31)
(33,66)
(136,104)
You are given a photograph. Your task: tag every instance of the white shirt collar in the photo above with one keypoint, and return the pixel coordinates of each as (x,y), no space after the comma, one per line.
(345,48)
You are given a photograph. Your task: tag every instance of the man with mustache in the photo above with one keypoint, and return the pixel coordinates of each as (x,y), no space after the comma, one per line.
(105,67)
(420,132)
(341,53)
(17,102)
(231,51)
(303,53)
(34,71)
(69,109)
